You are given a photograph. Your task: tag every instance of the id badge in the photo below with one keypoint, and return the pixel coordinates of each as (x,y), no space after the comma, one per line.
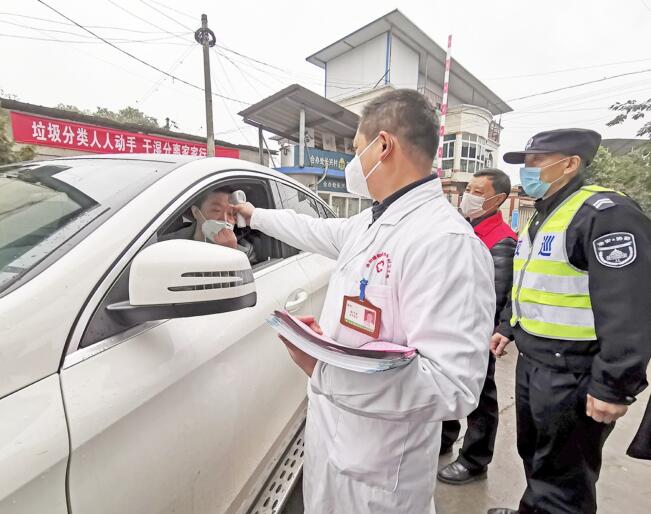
(361,316)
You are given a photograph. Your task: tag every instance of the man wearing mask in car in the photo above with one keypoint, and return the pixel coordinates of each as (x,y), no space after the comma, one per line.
(215,222)
(486,192)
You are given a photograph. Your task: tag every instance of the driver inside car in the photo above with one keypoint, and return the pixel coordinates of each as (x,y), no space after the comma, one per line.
(214,221)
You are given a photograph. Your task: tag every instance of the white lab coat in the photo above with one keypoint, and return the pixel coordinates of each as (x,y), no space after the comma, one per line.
(372,440)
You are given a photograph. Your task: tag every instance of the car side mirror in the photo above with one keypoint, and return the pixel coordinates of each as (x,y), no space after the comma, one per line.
(181,279)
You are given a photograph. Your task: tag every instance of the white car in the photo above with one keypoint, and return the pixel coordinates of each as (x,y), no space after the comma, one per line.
(139,375)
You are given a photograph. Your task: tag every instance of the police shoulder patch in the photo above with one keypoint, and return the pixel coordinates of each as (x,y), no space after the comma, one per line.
(601,202)
(615,250)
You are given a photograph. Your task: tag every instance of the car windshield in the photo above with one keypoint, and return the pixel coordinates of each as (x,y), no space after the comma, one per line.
(44,204)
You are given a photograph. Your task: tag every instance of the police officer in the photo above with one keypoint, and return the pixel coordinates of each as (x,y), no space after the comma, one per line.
(580,318)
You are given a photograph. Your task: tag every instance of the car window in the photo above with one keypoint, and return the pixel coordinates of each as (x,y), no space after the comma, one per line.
(324,212)
(43,205)
(298,201)
(261,249)
(302,203)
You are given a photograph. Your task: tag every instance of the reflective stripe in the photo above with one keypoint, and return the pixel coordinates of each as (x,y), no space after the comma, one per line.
(551,298)
(575,284)
(558,331)
(578,301)
(562,315)
(557,268)
(562,218)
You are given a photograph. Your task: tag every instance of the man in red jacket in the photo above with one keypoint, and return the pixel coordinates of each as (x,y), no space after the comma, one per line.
(484,195)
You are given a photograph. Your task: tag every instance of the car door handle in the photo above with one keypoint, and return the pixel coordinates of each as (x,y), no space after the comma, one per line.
(296,300)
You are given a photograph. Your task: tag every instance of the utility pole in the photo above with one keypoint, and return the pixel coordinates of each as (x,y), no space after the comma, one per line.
(206,38)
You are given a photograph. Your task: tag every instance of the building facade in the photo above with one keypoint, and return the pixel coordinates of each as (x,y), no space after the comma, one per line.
(392,52)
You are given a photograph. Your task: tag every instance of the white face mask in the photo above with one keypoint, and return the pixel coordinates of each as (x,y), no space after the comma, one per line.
(472,206)
(355,177)
(210,228)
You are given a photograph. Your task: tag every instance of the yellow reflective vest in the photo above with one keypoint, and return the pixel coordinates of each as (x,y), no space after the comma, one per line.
(550,297)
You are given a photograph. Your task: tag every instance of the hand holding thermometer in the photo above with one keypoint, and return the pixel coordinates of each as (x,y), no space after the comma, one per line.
(236,198)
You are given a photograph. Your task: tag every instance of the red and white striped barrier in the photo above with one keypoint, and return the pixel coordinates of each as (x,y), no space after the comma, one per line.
(444,109)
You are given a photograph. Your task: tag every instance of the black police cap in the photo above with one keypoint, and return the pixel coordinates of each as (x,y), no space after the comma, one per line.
(581,142)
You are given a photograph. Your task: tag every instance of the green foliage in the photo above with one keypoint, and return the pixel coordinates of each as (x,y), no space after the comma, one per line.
(125,115)
(629,173)
(636,110)
(7,152)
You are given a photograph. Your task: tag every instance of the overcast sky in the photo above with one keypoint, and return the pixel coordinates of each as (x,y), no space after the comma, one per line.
(516,48)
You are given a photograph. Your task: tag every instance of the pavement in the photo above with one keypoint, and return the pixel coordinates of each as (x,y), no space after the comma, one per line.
(624,486)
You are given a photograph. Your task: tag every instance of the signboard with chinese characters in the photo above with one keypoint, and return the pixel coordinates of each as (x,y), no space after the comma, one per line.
(333,185)
(316,158)
(38,130)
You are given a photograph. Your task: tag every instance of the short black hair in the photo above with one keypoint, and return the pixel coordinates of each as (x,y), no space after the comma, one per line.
(204,196)
(406,113)
(500,180)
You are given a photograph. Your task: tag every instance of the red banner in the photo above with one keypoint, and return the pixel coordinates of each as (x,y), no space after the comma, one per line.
(37,130)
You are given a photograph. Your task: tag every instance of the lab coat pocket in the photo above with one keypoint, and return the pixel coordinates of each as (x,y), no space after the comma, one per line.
(380,296)
(369,450)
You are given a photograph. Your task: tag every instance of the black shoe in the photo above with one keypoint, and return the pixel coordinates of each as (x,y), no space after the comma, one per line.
(445,450)
(502,510)
(456,473)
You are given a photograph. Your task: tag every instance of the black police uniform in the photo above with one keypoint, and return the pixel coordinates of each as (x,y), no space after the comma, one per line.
(559,444)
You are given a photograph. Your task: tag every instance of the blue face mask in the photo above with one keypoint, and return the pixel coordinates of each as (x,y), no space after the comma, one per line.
(531,182)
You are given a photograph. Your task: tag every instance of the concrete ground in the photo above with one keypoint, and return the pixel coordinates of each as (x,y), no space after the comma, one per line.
(624,486)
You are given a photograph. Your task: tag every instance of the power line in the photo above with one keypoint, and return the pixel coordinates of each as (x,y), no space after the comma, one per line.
(555,111)
(551,122)
(144,20)
(564,70)
(251,58)
(578,85)
(166,15)
(110,63)
(156,68)
(116,40)
(287,72)
(235,52)
(175,10)
(228,79)
(71,41)
(230,114)
(89,26)
(244,75)
(581,99)
(176,64)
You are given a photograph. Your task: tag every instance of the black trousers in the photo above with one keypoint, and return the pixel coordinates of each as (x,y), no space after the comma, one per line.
(559,445)
(479,441)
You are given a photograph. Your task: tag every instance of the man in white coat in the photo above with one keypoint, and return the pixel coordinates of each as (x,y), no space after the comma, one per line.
(372,440)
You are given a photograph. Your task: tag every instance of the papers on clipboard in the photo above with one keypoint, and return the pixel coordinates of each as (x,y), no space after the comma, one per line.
(369,358)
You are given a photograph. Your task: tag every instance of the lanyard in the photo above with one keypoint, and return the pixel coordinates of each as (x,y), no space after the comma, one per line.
(362,289)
